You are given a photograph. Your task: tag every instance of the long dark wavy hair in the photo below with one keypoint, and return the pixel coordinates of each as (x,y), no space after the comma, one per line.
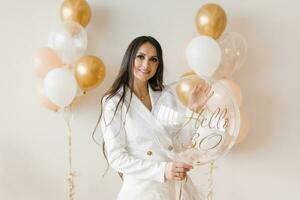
(125,78)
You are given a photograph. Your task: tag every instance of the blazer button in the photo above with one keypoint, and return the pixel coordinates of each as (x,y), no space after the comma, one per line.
(170,148)
(149,153)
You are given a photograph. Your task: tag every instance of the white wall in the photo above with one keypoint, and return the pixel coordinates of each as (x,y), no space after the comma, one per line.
(33,140)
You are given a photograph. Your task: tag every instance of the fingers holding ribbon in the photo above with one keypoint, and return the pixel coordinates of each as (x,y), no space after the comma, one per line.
(177,171)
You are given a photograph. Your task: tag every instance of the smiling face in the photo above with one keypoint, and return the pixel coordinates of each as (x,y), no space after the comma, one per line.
(145,62)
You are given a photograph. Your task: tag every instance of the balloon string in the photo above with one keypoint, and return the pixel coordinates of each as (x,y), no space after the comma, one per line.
(210,193)
(71,172)
(180,196)
(180,191)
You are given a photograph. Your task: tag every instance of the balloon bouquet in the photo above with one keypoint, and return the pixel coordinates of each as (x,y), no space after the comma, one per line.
(201,111)
(65,72)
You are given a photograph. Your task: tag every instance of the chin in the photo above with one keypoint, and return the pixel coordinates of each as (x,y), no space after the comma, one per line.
(143,78)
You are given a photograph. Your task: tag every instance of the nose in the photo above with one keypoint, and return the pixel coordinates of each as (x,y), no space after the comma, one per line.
(145,63)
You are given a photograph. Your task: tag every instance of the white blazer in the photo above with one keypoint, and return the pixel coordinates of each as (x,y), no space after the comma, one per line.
(133,145)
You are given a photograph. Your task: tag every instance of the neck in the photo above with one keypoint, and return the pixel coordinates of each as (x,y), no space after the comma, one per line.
(140,88)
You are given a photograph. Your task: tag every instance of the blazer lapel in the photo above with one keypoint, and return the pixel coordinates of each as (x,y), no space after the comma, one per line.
(159,132)
(154,96)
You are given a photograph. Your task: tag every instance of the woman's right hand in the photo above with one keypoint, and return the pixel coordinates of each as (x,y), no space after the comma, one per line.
(177,170)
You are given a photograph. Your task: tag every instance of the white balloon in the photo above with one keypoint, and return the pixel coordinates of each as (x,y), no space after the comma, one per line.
(203,55)
(60,86)
(69,40)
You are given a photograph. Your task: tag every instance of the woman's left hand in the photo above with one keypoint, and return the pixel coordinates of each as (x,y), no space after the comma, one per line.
(177,170)
(200,94)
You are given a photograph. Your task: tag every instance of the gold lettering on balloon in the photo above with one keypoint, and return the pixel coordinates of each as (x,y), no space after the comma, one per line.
(226,124)
(214,121)
(210,137)
(194,141)
(199,122)
(218,119)
(214,118)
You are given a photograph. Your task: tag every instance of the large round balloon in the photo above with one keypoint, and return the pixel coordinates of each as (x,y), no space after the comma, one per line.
(60,86)
(200,134)
(76,10)
(203,55)
(70,41)
(211,20)
(89,72)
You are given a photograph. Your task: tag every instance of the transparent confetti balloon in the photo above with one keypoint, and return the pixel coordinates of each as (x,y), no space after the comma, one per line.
(202,129)
(69,40)
(234,53)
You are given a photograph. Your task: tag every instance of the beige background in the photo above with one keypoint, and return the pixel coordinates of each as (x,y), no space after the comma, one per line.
(33,140)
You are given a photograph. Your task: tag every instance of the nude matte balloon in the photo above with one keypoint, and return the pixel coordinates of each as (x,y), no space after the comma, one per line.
(45,60)
(45,101)
(234,89)
(89,72)
(76,10)
(211,20)
(244,128)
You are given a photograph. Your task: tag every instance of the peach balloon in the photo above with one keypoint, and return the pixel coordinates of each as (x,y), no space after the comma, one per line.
(48,104)
(244,127)
(45,102)
(234,89)
(45,60)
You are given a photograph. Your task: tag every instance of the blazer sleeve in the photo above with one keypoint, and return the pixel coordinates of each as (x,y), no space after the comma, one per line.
(114,136)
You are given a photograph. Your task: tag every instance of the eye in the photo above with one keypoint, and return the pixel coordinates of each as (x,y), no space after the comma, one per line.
(140,56)
(154,59)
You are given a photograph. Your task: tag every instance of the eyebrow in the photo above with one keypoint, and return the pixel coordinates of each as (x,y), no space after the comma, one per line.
(145,54)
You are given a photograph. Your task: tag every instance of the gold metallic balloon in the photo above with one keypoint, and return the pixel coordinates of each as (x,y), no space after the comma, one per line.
(89,72)
(211,20)
(188,73)
(185,87)
(76,10)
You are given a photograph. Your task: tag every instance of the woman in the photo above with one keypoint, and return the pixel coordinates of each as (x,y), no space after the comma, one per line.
(131,133)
